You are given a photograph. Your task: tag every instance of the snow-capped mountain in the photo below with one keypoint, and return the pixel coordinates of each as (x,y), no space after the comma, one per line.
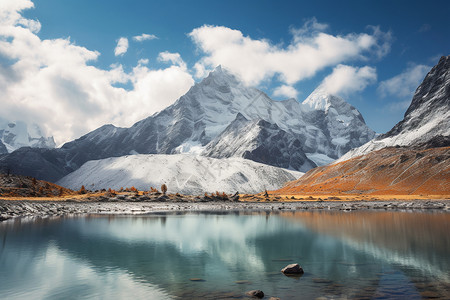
(325,127)
(210,106)
(342,126)
(427,118)
(183,173)
(260,141)
(14,135)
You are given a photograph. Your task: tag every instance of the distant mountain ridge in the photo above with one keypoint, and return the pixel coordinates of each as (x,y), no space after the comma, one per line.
(288,129)
(14,135)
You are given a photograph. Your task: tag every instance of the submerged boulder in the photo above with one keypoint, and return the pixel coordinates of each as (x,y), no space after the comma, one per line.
(255,293)
(292,269)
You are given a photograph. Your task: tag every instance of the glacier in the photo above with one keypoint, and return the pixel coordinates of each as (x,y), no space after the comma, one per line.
(182,173)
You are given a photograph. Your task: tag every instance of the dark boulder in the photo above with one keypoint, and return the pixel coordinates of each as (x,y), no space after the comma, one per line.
(292,269)
(256,294)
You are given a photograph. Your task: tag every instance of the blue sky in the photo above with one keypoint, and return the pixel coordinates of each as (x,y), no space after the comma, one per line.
(387,48)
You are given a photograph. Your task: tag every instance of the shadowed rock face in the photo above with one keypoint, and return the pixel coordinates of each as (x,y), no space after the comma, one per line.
(260,141)
(324,124)
(3,148)
(431,99)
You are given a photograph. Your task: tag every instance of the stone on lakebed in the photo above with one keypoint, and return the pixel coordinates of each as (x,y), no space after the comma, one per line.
(292,269)
(256,293)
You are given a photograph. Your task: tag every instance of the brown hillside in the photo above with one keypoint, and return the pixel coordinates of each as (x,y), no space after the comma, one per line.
(389,171)
(26,186)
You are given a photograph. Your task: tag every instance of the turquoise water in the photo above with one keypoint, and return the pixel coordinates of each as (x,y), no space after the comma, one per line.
(360,255)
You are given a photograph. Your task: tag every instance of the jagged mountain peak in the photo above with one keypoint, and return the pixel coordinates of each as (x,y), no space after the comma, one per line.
(320,99)
(435,87)
(220,78)
(427,118)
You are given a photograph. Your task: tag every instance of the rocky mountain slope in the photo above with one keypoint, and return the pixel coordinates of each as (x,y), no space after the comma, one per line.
(389,171)
(326,127)
(427,117)
(182,173)
(14,135)
(260,141)
(25,186)
(412,158)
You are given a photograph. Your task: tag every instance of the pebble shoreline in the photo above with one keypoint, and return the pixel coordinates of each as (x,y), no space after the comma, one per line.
(27,208)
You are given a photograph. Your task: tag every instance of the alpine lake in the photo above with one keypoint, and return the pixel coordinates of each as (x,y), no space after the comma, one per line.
(222,255)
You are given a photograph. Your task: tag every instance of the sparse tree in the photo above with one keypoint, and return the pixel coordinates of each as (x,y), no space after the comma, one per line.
(82,190)
(164,188)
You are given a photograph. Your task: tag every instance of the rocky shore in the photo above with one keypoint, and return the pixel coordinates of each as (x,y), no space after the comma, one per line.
(27,208)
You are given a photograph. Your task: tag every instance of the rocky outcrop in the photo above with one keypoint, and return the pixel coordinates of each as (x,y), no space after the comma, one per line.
(292,269)
(255,294)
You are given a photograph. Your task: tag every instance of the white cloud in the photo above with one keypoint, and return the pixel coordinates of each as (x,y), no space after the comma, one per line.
(122,46)
(143,61)
(405,83)
(345,80)
(144,37)
(285,91)
(200,70)
(174,58)
(310,51)
(54,84)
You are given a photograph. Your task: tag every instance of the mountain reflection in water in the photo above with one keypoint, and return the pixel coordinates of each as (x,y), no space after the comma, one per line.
(353,254)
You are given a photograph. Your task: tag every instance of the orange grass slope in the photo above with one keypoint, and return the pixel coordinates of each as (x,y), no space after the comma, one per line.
(17,186)
(389,171)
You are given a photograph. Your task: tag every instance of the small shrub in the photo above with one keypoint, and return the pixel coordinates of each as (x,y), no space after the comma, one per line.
(82,190)
(164,188)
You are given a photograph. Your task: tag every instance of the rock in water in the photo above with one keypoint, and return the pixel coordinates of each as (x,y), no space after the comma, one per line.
(256,293)
(292,269)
